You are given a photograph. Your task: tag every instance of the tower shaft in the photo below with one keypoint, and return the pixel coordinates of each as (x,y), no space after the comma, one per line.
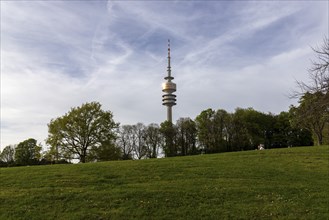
(169,113)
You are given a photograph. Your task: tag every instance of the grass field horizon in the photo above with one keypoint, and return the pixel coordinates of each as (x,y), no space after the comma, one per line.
(291,183)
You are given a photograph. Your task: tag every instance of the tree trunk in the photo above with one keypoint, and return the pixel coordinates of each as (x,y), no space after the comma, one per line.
(83,159)
(320,138)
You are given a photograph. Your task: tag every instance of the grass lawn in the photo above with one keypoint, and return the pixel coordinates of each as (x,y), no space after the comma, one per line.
(288,183)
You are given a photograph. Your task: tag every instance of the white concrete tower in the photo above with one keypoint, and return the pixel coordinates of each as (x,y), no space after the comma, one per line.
(168,87)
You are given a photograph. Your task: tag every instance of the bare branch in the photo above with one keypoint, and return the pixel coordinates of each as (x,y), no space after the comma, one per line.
(318,73)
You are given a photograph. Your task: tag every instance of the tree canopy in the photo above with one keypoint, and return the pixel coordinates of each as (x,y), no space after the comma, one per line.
(82,130)
(8,155)
(27,152)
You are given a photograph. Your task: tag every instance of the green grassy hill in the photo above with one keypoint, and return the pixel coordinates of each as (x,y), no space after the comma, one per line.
(272,184)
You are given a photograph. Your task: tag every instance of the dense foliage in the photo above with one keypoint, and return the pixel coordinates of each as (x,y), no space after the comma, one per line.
(213,131)
(83,132)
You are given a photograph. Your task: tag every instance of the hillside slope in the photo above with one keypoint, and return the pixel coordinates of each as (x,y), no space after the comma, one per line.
(272,184)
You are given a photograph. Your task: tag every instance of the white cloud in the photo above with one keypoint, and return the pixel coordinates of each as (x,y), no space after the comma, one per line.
(57,55)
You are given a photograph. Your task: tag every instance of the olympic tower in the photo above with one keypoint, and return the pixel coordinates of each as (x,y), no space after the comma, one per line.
(168,87)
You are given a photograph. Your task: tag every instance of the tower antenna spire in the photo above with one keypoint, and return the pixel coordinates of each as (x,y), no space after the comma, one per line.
(169,68)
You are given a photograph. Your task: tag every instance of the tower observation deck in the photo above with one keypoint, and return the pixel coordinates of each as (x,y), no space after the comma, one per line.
(168,87)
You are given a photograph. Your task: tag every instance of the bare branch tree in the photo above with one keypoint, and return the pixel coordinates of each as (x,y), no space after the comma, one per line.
(318,73)
(125,141)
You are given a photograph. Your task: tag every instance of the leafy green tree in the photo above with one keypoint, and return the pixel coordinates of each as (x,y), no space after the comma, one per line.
(168,132)
(311,114)
(221,126)
(186,136)
(260,127)
(282,130)
(239,137)
(28,152)
(105,152)
(205,127)
(81,130)
(286,134)
(251,128)
(8,155)
(214,129)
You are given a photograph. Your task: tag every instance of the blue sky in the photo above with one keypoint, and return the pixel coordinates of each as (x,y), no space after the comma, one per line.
(225,54)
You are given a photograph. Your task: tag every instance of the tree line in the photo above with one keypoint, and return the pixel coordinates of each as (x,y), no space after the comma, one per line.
(88,133)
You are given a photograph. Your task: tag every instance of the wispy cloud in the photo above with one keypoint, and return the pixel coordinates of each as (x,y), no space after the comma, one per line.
(60,54)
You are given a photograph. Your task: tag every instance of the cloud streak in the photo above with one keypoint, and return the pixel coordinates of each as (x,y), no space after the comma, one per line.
(59,54)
